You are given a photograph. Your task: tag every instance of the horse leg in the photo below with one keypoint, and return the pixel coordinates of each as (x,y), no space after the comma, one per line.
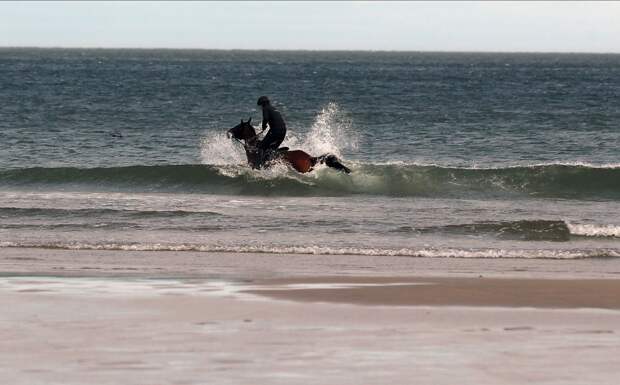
(332,161)
(303,162)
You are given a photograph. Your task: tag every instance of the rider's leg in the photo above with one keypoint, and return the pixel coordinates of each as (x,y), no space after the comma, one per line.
(271,142)
(276,143)
(266,142)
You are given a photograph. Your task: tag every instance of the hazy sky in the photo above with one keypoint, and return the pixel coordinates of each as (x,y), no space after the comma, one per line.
(428,26)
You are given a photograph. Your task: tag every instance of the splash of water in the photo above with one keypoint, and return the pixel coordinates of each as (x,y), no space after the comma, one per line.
(219,150)
(331,132)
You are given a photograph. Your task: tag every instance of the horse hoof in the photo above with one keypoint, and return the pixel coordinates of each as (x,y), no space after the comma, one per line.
(333,162)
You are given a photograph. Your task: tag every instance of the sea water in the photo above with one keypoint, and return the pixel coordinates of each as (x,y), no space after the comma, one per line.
(452,154)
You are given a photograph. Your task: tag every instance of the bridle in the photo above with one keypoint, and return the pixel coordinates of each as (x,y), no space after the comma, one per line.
(245,142)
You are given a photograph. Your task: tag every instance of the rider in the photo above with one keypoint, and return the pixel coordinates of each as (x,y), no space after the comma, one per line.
(277,127)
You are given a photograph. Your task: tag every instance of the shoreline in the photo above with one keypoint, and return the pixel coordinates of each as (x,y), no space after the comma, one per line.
(348,279)
(231,265)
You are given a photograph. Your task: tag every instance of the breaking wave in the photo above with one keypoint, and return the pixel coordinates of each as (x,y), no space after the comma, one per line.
(525,230)
(320,250)
(592,230)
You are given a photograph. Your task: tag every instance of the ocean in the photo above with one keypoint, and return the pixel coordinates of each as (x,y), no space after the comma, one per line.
(453,155)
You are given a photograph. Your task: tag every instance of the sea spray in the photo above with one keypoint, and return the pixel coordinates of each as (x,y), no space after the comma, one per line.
(217,149)
(331,132)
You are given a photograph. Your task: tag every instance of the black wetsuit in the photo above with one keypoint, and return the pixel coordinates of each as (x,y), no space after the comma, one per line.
(277,129)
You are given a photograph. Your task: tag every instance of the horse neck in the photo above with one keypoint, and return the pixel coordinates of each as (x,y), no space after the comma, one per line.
(251,139)
(251,152)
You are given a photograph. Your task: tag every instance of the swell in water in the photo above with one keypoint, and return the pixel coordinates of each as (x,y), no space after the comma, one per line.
(224,171)
(398,180)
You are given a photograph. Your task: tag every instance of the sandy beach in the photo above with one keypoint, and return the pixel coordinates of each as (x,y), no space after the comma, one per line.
(112,317)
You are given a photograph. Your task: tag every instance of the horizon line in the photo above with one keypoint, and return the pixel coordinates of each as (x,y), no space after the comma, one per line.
(306,50)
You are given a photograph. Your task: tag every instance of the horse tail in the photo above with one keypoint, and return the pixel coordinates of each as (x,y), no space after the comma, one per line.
(331,160)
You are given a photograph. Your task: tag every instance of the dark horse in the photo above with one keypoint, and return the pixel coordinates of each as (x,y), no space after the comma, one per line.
(301,161)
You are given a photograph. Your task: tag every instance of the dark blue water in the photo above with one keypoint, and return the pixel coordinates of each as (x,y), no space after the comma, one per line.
(472,146)
(59,106)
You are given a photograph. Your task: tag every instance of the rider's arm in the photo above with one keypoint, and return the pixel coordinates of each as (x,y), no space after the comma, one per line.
(265,118)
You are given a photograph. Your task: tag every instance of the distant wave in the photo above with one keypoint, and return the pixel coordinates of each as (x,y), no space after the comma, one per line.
(97,218)
(8,212)
(525,230)
(198,221)
(319,250)
(398,180)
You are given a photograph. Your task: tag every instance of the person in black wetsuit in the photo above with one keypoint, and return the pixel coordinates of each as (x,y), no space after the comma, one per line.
(277,127)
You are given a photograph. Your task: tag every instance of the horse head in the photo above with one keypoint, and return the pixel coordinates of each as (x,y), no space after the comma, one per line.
(244,131)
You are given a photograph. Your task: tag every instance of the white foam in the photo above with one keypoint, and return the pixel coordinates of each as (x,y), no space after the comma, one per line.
(112,287)
(106,287)
(581,164)
(320,250)
(502,166)
(591,230)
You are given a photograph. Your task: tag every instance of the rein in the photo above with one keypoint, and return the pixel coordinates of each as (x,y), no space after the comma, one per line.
(246,141)
(239,141)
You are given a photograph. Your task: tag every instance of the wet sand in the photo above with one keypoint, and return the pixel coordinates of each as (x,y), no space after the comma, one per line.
(79,317)
(433,291)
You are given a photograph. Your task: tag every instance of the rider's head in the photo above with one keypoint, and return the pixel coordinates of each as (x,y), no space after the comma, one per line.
(263,101)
